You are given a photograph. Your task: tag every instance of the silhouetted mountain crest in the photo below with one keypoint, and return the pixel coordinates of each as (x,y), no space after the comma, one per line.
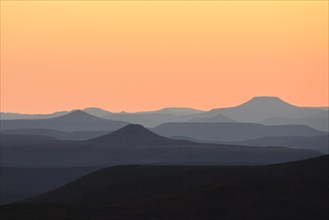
(131,134)
(260,108)
(178,111)
(266,101)
(78,115)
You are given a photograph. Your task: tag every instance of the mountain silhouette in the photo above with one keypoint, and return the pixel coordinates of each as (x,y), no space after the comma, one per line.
(295,190)
(221,132)
(135,145)
(74,121)
(305,170)
(18,183)
(266,102)
(154,118)
(261,108)
(175,111)
(131,134)
(78,115)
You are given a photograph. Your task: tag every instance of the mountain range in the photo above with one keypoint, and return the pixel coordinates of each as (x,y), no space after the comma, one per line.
(215,132)
(74,121)
(194,125)
(263,110)
(42,152)
(134,144)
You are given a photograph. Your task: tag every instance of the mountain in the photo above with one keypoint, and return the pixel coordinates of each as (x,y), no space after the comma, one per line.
(78,115)
(147,119)
(269,102)
(261,108)
(217,118)
(74,121)
(18,183)
(295,190)
(222,132)
(134,144)
(154,118)
(130,134)
(264,110)
(173,111)
(134,117)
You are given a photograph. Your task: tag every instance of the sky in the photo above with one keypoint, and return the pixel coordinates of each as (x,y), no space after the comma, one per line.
(144,55)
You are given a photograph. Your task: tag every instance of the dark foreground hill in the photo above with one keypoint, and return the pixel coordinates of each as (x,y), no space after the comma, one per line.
(21,183)
(295,190)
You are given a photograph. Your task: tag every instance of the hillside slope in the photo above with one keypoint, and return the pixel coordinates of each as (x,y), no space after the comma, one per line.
(295,190)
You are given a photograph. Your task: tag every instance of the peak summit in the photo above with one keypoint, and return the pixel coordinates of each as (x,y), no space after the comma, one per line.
(267,98)
(131,134)
(269,101)
(78,115)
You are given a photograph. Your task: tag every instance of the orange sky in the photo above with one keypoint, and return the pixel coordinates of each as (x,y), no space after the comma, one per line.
(142,55)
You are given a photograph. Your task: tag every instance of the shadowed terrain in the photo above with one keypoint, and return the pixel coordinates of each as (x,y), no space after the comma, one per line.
(193,165)
(134,144)
(62,135)
(318,143)
(20,183)
(221,132)
(295,190)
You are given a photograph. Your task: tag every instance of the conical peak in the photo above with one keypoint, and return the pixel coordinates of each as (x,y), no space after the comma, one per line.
(131,134)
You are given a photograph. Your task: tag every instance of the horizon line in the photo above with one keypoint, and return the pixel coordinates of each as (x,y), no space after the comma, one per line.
(158,109)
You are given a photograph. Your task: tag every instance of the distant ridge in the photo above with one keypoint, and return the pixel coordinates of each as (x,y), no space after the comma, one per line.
(264,107)
(175,111)
(131,134)
(74,121)
(78,115)
(222,131)
(267,110)
(267,101)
